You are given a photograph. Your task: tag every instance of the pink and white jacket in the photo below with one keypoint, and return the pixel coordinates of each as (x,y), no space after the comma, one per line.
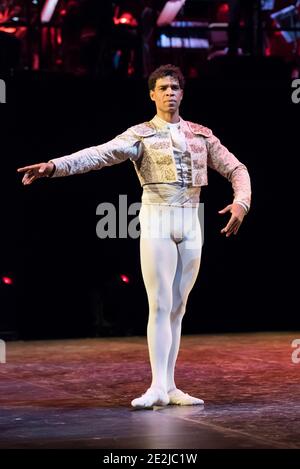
(150,150)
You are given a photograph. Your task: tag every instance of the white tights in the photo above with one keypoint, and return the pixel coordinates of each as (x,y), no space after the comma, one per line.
(170,259)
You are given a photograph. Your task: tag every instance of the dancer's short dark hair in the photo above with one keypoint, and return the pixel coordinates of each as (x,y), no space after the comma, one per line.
(168,70)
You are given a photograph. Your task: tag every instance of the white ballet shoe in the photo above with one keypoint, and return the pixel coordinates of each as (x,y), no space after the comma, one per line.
(178,397)
(153,396)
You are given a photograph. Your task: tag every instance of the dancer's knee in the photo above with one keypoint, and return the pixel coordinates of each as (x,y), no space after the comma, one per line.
(159,311)
(178,313)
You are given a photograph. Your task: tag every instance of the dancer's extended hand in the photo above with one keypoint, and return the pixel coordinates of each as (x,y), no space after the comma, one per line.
(35,171)
(235,221)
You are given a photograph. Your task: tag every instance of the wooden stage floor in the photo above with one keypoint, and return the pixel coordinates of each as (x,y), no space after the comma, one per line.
(76,394)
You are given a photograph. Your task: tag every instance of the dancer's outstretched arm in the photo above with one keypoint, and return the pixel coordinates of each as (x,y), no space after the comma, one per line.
(125,146)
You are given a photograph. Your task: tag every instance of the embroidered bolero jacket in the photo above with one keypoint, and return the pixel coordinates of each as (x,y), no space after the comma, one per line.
(150,150)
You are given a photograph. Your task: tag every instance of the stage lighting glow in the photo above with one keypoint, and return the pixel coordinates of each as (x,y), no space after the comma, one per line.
(223,8)
(222,13)
(182,42)
(48,10)
(288,17)
(126,18)
(7,280)
(124,278)
(169,12)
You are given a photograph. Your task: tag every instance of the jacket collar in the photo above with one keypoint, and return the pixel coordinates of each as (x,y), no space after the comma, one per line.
(146,129)
(196,129)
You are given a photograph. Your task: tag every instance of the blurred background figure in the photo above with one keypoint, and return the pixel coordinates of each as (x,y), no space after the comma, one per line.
(126,41)
(96,37)
(10,47)
(247,38)
(71,26)
(148,20)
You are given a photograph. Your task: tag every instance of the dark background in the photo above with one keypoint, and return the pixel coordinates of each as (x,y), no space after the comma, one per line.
(66,280)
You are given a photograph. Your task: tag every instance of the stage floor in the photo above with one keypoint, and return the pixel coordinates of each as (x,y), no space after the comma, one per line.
(76,394)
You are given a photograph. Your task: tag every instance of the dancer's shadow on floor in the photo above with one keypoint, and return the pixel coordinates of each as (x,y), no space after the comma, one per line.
(176,410)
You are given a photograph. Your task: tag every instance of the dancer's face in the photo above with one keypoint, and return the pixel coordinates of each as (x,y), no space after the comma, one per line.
(167,94)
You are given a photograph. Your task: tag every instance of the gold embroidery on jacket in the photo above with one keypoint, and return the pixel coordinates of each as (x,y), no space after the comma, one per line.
(159,145)
(157,163)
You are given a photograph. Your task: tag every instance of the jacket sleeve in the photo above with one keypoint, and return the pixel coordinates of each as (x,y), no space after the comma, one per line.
(124,146)
(221,160)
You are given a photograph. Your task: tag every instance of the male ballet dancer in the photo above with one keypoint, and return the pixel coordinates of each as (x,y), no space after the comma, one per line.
(170,156)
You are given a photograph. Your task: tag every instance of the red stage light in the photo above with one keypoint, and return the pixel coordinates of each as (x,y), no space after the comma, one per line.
(7,280)
(126,18)
(224,8)
(222,12)
(124,278)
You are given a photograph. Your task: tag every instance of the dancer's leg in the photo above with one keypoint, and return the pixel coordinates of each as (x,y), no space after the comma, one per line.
(188,264)
(186,273)
(158,262)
